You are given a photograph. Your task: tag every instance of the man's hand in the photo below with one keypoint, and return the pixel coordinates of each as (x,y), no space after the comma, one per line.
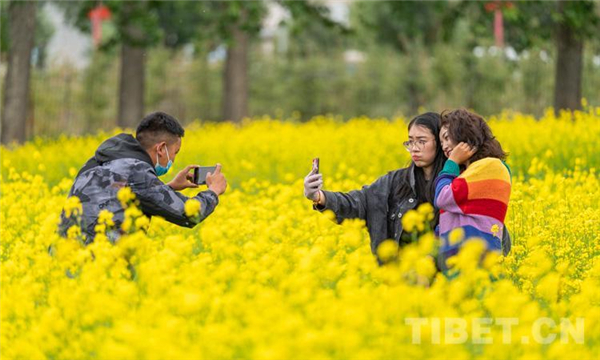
(184,179)
(216,181)
(462,153)
(313,183)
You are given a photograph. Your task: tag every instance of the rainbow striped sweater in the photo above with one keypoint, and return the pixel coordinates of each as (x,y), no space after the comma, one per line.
(475,201)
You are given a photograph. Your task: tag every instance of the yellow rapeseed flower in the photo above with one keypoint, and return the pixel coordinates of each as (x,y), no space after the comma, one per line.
(266,276)
(456,235)
(192,207)
(72,206)
(411,221)
(125,196)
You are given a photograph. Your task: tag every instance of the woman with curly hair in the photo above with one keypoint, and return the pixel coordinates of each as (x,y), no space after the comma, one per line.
(473,189)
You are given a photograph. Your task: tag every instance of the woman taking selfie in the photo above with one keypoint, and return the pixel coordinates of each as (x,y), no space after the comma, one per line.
(383,203)
(473,189)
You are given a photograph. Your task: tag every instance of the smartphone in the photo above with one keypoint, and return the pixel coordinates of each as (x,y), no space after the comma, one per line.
(315,165)
(201,172)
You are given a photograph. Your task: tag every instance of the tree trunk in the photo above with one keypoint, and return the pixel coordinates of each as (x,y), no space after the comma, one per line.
(235,93)
(30,121)
(131,86)
(16,85)
(569,66)
(133,70)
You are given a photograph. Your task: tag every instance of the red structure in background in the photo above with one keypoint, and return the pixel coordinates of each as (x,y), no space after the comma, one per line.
(496,7)
(97,15)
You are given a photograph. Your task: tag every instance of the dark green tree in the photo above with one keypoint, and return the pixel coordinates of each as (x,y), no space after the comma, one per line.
(236,23)
(576,23)
(563,25)
(409,27)
(16,101)
(137,29)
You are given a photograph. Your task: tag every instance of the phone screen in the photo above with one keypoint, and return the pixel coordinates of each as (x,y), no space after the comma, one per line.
(315,165)
(201,172)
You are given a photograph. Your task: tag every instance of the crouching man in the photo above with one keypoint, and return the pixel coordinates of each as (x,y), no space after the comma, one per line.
(137,162)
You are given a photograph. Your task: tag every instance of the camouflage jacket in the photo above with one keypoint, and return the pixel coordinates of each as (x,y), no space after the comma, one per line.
(118,162)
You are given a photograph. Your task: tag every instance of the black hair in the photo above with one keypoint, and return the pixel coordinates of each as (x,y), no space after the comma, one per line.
(425,190)
(156,127)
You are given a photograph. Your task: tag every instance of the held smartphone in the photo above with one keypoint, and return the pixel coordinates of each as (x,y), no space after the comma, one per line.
(201,172)
(315,165)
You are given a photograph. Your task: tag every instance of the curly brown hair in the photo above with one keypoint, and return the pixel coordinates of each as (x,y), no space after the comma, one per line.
(471,128)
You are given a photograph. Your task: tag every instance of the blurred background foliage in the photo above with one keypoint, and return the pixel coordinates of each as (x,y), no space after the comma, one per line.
(221,60)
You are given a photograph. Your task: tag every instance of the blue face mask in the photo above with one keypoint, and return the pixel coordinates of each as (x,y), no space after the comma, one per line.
(161,170)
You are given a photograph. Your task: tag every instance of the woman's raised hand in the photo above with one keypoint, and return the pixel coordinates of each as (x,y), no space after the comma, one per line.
(462,153)
(313,183)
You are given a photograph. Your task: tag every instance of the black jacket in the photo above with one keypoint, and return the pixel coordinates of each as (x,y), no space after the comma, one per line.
(379,204)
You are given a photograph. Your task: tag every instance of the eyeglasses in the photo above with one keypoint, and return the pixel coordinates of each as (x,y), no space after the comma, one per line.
(408,145)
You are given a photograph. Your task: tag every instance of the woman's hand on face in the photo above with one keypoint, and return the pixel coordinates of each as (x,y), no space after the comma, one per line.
(462,153)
